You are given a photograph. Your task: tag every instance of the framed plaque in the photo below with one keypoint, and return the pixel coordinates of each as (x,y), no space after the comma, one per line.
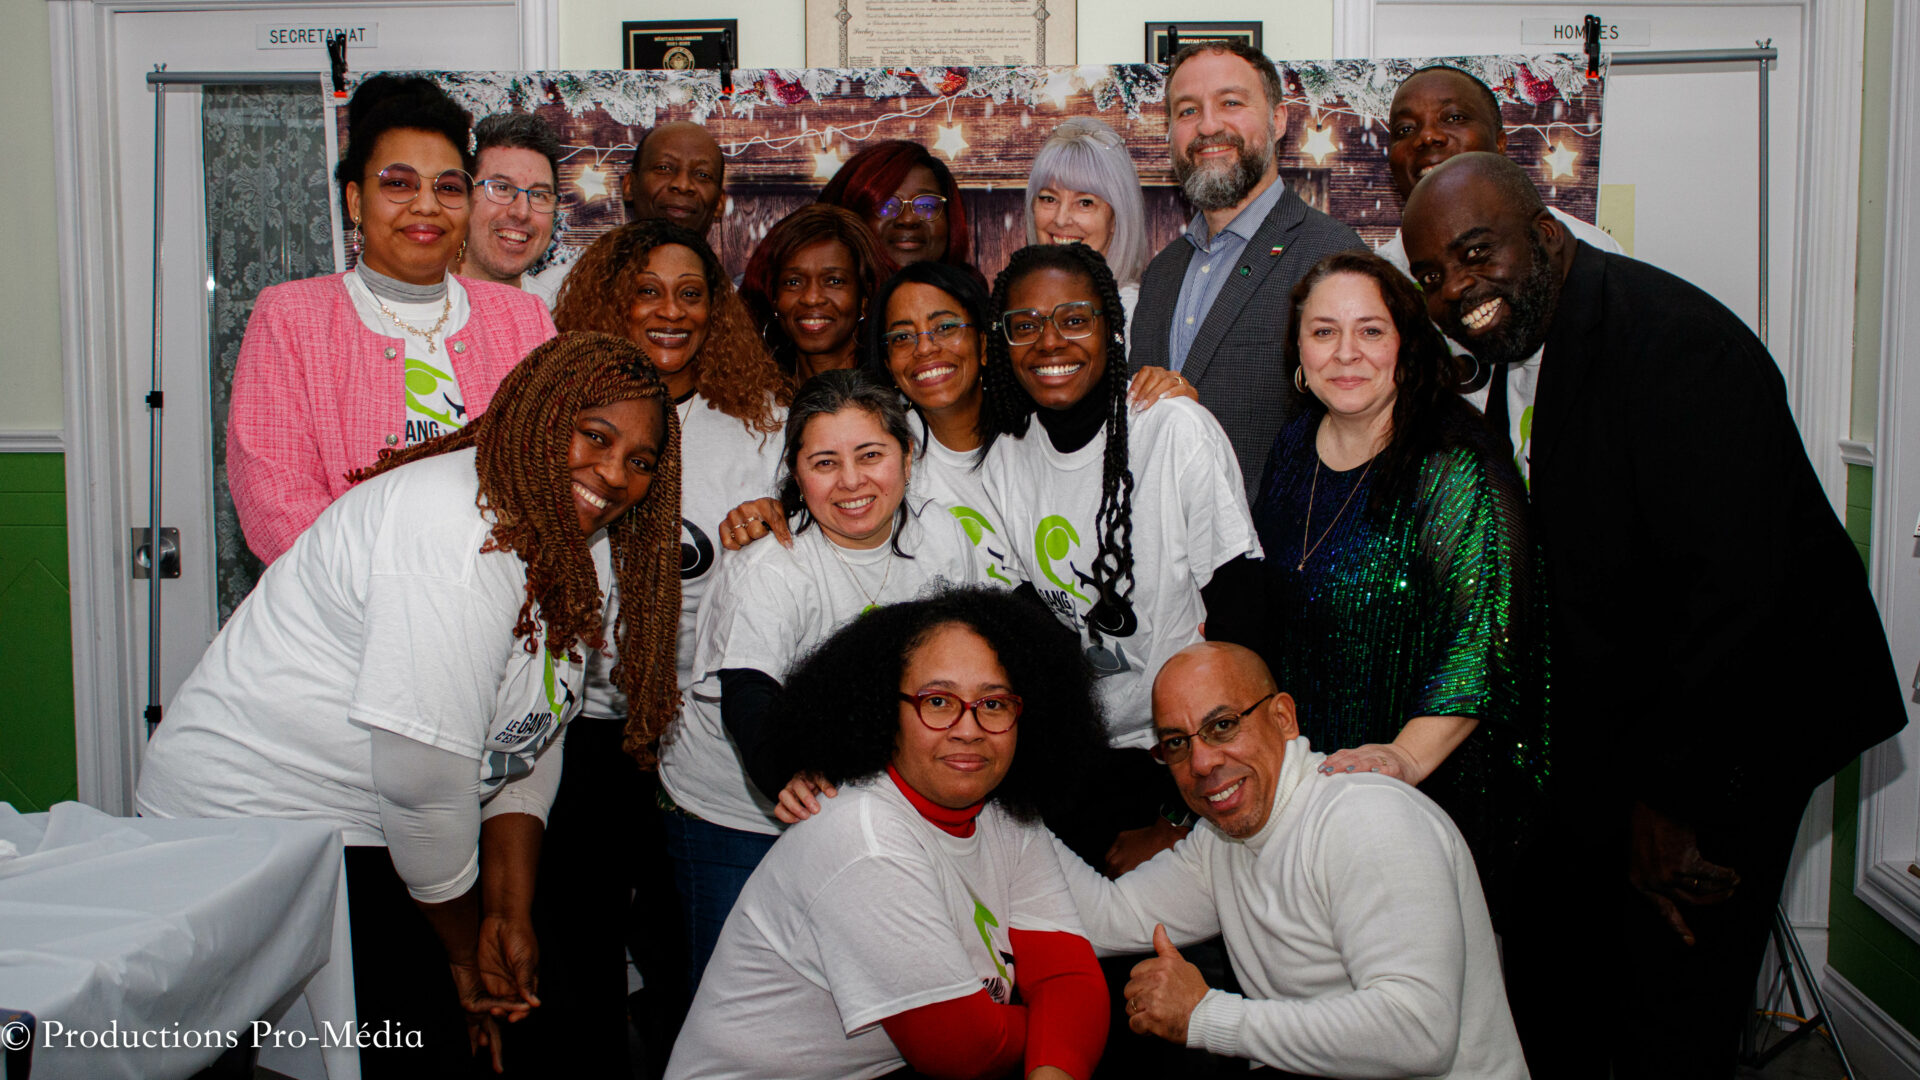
(680,45)
(954,33)
(1160,36)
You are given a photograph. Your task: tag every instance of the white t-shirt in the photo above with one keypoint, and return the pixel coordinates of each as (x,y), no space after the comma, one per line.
(768,607)
(1523,382)
(723,464)
(384,614)
(947,479)
(546,284)
(435,404)
(862,912)
(1189,517)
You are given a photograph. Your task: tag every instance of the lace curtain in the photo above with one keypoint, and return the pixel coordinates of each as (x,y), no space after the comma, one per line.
(266,172)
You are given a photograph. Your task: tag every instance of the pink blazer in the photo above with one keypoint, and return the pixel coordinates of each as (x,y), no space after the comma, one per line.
(316,394)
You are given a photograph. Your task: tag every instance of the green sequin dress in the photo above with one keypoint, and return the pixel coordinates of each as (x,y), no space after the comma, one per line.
(1420,605)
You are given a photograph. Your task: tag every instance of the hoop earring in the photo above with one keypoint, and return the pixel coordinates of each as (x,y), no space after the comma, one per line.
(1300,379)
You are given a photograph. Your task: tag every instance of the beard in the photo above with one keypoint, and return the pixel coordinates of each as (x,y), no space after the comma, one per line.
(1219,187)
(1530,308)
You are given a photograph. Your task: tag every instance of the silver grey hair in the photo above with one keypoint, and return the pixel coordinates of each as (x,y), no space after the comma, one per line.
(1084,154)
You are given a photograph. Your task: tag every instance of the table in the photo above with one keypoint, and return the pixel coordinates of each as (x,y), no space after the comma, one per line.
(146,947)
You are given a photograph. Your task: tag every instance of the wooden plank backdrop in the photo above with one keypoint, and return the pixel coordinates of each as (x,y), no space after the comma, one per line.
(784,132)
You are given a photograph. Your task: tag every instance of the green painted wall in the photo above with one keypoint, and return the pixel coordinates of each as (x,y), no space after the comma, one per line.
(36,681)
(1874,955)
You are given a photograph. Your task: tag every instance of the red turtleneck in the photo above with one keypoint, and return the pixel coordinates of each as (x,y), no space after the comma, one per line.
(1064,1020)
(952,822)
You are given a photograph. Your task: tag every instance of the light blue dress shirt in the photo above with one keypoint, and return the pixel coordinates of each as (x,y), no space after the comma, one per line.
(1213,260)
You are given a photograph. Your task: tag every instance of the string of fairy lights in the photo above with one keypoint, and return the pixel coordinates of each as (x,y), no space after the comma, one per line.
(1320,140)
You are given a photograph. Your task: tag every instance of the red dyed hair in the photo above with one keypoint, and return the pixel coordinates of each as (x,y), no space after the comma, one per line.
(871,177)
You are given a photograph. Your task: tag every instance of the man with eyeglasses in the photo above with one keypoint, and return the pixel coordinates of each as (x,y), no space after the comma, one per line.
(1214,303)
(515,204)
(1349,904)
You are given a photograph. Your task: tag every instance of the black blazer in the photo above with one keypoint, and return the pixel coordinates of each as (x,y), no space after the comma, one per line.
(1713,636)
(1237,361)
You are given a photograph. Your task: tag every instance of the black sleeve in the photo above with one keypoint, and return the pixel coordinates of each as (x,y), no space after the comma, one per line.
(746,699)
(1235,605)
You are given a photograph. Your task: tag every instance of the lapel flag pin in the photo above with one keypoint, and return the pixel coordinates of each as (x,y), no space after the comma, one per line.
(1277,249)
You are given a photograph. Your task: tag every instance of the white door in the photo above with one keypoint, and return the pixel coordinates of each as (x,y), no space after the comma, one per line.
(211,37)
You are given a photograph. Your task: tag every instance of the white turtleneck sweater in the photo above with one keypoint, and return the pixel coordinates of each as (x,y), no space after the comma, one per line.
(1353,918)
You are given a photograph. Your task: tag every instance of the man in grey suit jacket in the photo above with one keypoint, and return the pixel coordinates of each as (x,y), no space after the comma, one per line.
(1213,304)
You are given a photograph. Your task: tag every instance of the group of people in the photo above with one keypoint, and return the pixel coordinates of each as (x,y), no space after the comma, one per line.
(1019,704)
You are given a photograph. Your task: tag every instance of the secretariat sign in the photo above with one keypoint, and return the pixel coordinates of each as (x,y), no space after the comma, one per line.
(304,36)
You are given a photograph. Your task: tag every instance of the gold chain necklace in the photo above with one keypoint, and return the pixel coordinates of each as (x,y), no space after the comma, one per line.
(446,309)
(872,597)
(1306,551)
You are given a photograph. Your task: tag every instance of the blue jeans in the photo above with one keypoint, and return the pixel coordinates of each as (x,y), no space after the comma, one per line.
(711,864)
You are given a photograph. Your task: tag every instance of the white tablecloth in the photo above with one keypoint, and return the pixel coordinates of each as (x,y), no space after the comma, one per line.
(142,930)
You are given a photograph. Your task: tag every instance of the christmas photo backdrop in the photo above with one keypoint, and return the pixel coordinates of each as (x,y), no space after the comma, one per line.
(785,132)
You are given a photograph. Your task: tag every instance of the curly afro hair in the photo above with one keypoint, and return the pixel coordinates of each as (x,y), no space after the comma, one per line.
(839,712)
(734,374)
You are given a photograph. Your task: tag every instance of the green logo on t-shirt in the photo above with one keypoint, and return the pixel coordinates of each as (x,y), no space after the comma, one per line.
(1054,537)
(977,528)
(982,918)
(423,380)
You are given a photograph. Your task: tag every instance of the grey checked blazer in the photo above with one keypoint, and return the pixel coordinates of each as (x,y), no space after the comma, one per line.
(1238,360)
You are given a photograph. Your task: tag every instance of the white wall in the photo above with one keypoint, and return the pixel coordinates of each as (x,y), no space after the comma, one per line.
(1876,113)
(30,396)
(773,32)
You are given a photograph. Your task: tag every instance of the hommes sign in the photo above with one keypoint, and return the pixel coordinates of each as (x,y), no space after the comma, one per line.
(1571,34)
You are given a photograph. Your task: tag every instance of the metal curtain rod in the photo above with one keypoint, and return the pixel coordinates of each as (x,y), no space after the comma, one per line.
(230,78)
(1691,56)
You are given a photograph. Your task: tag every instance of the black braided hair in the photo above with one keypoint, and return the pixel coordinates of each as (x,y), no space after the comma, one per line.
(1013,410)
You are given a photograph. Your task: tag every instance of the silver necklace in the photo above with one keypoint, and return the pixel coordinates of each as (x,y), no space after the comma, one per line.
(446,309)
(873,598)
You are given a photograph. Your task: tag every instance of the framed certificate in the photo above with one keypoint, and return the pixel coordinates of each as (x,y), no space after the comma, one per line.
(680,45)
(954,33)
(1161,35)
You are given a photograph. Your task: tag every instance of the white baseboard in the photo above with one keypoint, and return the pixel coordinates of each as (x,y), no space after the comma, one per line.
(32,442)
(1878,1048)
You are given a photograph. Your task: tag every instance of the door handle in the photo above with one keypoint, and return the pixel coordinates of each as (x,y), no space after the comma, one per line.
(169,554)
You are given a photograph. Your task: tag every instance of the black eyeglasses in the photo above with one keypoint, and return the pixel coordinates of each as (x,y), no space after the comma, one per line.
(926,207)
(1175,749)
(541,200)
(940,710)
(1073,319)
(902,342)
(400,183)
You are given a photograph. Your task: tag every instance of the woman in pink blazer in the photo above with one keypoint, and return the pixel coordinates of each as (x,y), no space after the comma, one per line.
(335,369)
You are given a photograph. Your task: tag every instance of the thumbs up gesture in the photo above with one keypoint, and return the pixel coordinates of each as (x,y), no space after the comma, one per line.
(1163,991)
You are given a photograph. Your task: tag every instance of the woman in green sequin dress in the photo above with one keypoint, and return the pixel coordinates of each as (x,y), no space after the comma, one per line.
(1399,607)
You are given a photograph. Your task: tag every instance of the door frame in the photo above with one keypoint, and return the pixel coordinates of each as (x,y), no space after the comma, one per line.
(107,671)
(1890,773)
